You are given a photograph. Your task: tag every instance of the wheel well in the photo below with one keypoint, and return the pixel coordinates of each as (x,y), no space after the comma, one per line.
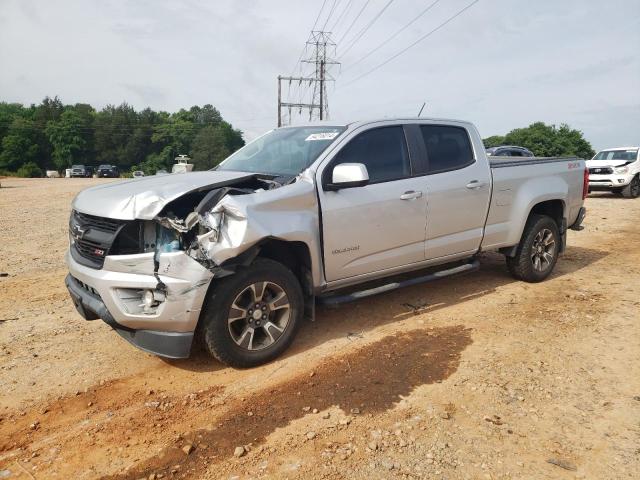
(294,255)
(551,208)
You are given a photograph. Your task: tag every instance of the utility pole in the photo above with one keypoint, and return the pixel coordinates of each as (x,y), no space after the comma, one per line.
(279,102)
(290,105)
(321,45)
(321,89)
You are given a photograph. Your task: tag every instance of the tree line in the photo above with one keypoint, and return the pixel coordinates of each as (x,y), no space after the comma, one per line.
(54,136)
(545,141)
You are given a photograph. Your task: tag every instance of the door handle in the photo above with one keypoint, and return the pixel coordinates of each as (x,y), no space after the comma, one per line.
(474,184)
(410,195)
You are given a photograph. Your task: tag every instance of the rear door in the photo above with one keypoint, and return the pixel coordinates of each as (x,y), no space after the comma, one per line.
(458,191)
(380,225)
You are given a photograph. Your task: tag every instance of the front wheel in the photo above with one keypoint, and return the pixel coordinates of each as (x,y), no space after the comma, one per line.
(633,189)
(538,250)
(252,316)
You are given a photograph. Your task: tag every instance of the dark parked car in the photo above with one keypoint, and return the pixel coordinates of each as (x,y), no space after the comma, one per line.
(81,171)
(509,151)
(108,171)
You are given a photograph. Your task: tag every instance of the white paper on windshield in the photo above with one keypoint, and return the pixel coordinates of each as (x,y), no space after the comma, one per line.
(321,136)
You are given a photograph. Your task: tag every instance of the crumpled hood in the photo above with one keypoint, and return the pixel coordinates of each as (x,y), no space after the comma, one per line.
(144,198)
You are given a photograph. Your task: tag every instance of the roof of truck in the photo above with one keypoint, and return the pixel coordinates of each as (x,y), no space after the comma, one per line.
(330,123)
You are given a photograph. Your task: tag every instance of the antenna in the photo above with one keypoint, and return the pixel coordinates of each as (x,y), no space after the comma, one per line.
(421,108)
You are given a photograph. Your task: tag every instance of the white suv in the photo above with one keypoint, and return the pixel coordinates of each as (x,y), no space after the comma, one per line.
(616,170)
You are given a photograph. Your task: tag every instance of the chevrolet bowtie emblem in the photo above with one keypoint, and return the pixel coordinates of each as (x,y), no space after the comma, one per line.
(77,232)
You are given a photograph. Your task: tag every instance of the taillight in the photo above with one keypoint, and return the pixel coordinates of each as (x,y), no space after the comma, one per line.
(585,184)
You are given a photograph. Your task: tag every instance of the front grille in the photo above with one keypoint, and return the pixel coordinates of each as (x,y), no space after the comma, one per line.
(601,170)
(99,223)
(92,237)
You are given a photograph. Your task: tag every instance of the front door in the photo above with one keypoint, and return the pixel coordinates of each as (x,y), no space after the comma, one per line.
(380,225)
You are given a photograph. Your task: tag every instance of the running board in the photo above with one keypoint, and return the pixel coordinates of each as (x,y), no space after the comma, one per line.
(338,299)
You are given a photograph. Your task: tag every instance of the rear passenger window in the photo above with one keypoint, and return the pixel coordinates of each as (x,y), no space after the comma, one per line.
(382,150)
(448,148)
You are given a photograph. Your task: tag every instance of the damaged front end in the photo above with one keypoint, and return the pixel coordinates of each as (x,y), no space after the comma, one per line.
(146,270)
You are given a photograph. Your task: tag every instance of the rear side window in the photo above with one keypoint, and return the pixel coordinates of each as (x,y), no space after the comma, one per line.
(382,150)
(448,148)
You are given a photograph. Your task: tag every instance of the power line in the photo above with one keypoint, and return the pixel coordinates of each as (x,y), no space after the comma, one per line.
(312,28)
(415,19)
(367,27)
(354,21)
(319,13)
(341,16)
(428,34)
(333,7)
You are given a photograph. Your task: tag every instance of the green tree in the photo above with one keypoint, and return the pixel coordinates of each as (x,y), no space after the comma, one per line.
(209,148)
(546,140)
(65,136)
(52,134)
(29,170)
(493,141)
(20,144)
(157,161)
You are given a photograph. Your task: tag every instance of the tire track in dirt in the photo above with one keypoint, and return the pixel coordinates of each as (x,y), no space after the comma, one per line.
(372,379)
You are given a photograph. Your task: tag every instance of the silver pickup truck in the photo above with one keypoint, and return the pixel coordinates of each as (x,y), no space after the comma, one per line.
(238,256)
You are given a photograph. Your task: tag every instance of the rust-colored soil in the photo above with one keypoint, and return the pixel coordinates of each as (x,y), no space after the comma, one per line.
(477,376)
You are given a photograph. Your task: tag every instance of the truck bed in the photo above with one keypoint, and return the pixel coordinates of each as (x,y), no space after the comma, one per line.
(521,182)
(501,162)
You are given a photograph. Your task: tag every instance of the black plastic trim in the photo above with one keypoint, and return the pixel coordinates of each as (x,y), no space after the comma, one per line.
(165,344)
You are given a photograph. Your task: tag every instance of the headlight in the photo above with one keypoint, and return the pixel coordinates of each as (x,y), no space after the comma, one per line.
(623,169)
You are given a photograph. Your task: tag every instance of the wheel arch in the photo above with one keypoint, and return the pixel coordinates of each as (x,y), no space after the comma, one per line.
(295,255)
(554,208)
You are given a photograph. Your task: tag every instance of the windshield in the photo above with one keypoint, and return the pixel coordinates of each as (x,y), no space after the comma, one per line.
(630,154)
(282,152)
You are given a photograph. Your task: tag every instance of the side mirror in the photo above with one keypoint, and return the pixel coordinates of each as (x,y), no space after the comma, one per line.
(348,175)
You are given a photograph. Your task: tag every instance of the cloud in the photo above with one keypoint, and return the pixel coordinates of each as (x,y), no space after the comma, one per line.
(502,64)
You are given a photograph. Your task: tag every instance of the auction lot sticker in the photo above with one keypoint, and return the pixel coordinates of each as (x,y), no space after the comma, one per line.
(321,136)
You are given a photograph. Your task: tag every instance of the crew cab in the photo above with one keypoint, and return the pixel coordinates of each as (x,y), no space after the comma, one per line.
(616,170)
(238,256)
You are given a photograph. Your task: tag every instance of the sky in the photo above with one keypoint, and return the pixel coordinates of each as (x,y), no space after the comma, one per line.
(501,64)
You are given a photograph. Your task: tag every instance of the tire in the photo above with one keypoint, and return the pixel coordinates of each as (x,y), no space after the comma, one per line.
(240,335)
(633,189)
(540,240)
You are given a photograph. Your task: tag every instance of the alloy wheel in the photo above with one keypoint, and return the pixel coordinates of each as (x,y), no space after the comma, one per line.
(259,315)
(543,250)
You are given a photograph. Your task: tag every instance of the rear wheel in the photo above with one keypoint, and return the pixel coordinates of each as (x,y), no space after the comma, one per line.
(538,250)
(633,189)
(252,316)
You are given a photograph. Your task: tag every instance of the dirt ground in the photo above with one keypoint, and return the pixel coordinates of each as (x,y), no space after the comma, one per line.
(478,376)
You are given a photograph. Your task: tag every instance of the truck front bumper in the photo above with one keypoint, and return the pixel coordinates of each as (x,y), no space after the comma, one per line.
(116,294)
(609,182)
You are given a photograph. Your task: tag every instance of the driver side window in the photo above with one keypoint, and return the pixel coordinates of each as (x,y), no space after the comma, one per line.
(382,150)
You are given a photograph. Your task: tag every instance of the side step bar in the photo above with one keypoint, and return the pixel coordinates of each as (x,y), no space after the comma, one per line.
(338,299)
